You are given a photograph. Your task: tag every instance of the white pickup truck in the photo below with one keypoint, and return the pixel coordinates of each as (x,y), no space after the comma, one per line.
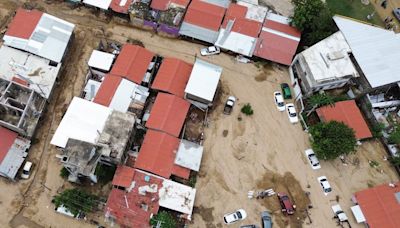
(340,215)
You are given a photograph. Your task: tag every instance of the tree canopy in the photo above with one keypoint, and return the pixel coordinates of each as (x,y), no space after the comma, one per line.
(76,200)
(332,139)
(314,19)
(166,219)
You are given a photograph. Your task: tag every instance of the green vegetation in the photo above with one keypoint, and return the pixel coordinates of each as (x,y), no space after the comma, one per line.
(192,181)
(332,139)
(373,164)
(395,160)
(354,9)
(247,109)
(166,219)
(394,137)
(325,99)
(377,130)
(76,200)
(104,173)
(64,173)
(314,19)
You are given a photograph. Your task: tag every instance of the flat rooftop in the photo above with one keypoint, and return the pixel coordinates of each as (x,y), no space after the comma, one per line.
(323,67)
(34,70)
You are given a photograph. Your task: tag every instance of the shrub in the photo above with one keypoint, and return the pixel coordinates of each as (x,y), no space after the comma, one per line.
(166,219)
(64,173)
(247,110)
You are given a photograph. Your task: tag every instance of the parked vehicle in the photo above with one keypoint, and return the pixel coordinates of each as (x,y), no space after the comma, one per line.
(230,102)
(26,171)
(279,102)
(291,111)
(235,216)
(326,187)
(266,220)
(286,91)
(312,158)
(337,210)
(213,50)
(286,205)
(396,13)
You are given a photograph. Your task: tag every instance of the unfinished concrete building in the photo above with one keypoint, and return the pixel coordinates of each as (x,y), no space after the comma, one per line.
(116,137)
(20,107)
(80,159)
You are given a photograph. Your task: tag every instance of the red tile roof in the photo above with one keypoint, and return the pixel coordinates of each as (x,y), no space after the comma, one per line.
(107,90)
(157,155)
(115,6)
(168,114)
(204,15)
(126,207)
(279,43)
(242,25)
(348,113)
(7,138)
(123,176)
(24,23)
(132,63)
(160,4)
(380,206)
(173,76)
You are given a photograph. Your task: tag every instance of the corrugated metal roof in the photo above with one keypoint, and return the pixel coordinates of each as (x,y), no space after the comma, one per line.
(24,23)
(348,113)
(49,39)
(168,114)
(278,40)
(380,206)
(121,6)
(242,24)
(7,140)
(221,3)
(183,3)
(123,176)
(198,11)
(132,63)
(102,4)
(107,90)
(376,50)
(198,32)
(157,155)
(204,80)
(101,60)
(160,4)
(189,155)
(173,76)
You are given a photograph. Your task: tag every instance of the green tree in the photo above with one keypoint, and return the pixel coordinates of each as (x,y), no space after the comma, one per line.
(247,109)
(321,100)
(395,135)
(332,139)
(76,200)
(314,19)
(166,219)
(395,160)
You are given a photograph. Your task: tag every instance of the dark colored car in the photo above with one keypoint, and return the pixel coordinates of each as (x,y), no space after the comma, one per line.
(396,13)
(266,220)
(287,94)
(286,205)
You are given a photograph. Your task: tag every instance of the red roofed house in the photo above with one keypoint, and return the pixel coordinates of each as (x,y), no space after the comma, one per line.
(379,206)
(157,155)
(202,21)
(278,40)
(133,206)
(121,94)
(172,76)
(12,152)
(170,15)
(132,63)
(120,6)
(168,114)
(348,113)
(39,33)
(241,27)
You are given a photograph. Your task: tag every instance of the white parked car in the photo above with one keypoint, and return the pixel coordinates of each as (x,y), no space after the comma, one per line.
(337,210)
(326,187)
(291,111)
(26,171)
(312,158)
(213,50)
(279,102)
(235,216)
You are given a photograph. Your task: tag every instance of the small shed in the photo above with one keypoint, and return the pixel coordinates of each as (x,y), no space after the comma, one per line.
(101,60)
